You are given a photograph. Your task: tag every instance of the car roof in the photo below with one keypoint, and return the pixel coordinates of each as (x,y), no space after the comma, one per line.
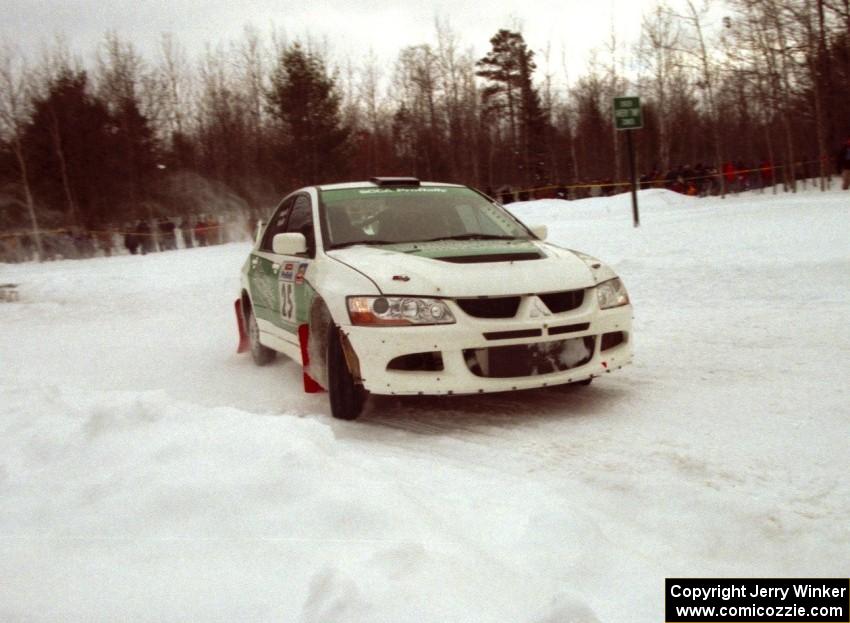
(368,184)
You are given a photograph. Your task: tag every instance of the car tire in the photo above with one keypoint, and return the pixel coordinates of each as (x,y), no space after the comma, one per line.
(262,355)
(346,396)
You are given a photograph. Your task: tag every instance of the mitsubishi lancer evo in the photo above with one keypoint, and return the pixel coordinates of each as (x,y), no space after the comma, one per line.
(396,286)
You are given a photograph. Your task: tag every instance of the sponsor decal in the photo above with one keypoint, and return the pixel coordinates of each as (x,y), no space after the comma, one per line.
(299,276)
(287,272)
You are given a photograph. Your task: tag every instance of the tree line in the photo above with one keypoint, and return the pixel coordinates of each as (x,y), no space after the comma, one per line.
(128,137)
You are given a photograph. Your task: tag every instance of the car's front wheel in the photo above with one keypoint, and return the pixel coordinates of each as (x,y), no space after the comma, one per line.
(262,355)
(346,395)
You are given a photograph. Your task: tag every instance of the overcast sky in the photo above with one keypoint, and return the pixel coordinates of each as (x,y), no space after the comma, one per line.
(351,27)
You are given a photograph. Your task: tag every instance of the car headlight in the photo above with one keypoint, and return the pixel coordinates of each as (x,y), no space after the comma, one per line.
(612,293)
(397,311)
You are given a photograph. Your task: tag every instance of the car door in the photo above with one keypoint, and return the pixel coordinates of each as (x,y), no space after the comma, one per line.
(265,268)
(295,294)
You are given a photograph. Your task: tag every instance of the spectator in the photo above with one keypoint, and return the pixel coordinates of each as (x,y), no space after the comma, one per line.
(131,240)
(10,248)
(186,231)
(144,237)
(561,191)
(742,175)
(104,241)
(842,162)
(647,179)
(699,181)
(729,176)
(201,231)
(167,239)
(213,231)
(83,243)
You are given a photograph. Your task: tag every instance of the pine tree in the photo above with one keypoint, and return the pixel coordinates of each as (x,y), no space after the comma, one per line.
(509,67)
(71,142)
(304,97)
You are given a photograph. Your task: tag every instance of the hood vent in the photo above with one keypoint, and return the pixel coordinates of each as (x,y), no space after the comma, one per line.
(491,257)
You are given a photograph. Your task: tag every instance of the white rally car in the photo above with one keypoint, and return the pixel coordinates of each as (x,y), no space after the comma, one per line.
(396,286)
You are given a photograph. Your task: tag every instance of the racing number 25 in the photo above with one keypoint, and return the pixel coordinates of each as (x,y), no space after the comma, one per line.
(287,309)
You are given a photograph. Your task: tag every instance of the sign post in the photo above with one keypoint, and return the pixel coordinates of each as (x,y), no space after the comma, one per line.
(627,116)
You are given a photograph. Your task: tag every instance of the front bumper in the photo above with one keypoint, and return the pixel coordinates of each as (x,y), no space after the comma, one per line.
(459,347)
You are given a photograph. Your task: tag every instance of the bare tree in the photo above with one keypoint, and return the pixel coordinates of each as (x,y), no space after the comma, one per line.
(120,70)
(173,73)
(759,38)
(660,58)
(568,119)
(56,62)
(368,90)
(812,41)
(616,86)
(707,71)
(14,113)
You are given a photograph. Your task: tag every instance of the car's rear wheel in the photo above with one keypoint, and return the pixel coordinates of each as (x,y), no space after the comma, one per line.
(346,395)
(262,355)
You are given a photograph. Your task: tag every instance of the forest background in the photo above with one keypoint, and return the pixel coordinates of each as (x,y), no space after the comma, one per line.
(95,145)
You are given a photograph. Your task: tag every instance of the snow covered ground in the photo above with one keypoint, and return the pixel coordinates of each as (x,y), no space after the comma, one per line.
(148,473)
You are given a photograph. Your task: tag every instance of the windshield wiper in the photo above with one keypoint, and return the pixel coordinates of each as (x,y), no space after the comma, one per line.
(472,237)
(342,245)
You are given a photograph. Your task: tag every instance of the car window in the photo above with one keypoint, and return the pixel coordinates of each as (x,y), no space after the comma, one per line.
(301,221)
(277,224)
(382,215)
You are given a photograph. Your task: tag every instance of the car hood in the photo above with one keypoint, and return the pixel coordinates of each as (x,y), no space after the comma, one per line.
(470,268)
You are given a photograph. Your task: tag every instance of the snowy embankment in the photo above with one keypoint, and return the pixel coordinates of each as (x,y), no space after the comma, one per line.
(148,473)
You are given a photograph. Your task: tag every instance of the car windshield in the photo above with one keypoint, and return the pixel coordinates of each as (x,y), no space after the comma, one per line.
(413,214)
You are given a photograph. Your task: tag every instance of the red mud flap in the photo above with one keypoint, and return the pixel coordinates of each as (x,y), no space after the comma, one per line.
(244,342)
(310,385)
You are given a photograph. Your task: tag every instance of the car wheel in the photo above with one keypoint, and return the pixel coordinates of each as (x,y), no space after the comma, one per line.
(346,396)
(262,355)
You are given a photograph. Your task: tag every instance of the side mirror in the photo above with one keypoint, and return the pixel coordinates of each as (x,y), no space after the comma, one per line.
(541,231)
(289,244)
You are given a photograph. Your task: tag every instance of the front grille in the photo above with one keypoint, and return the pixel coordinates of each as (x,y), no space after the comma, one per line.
(529,359)
(498,307)
(567,300)
(512,335)
(569,328)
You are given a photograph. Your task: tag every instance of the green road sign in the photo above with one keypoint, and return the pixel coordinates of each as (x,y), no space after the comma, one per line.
(627,115)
